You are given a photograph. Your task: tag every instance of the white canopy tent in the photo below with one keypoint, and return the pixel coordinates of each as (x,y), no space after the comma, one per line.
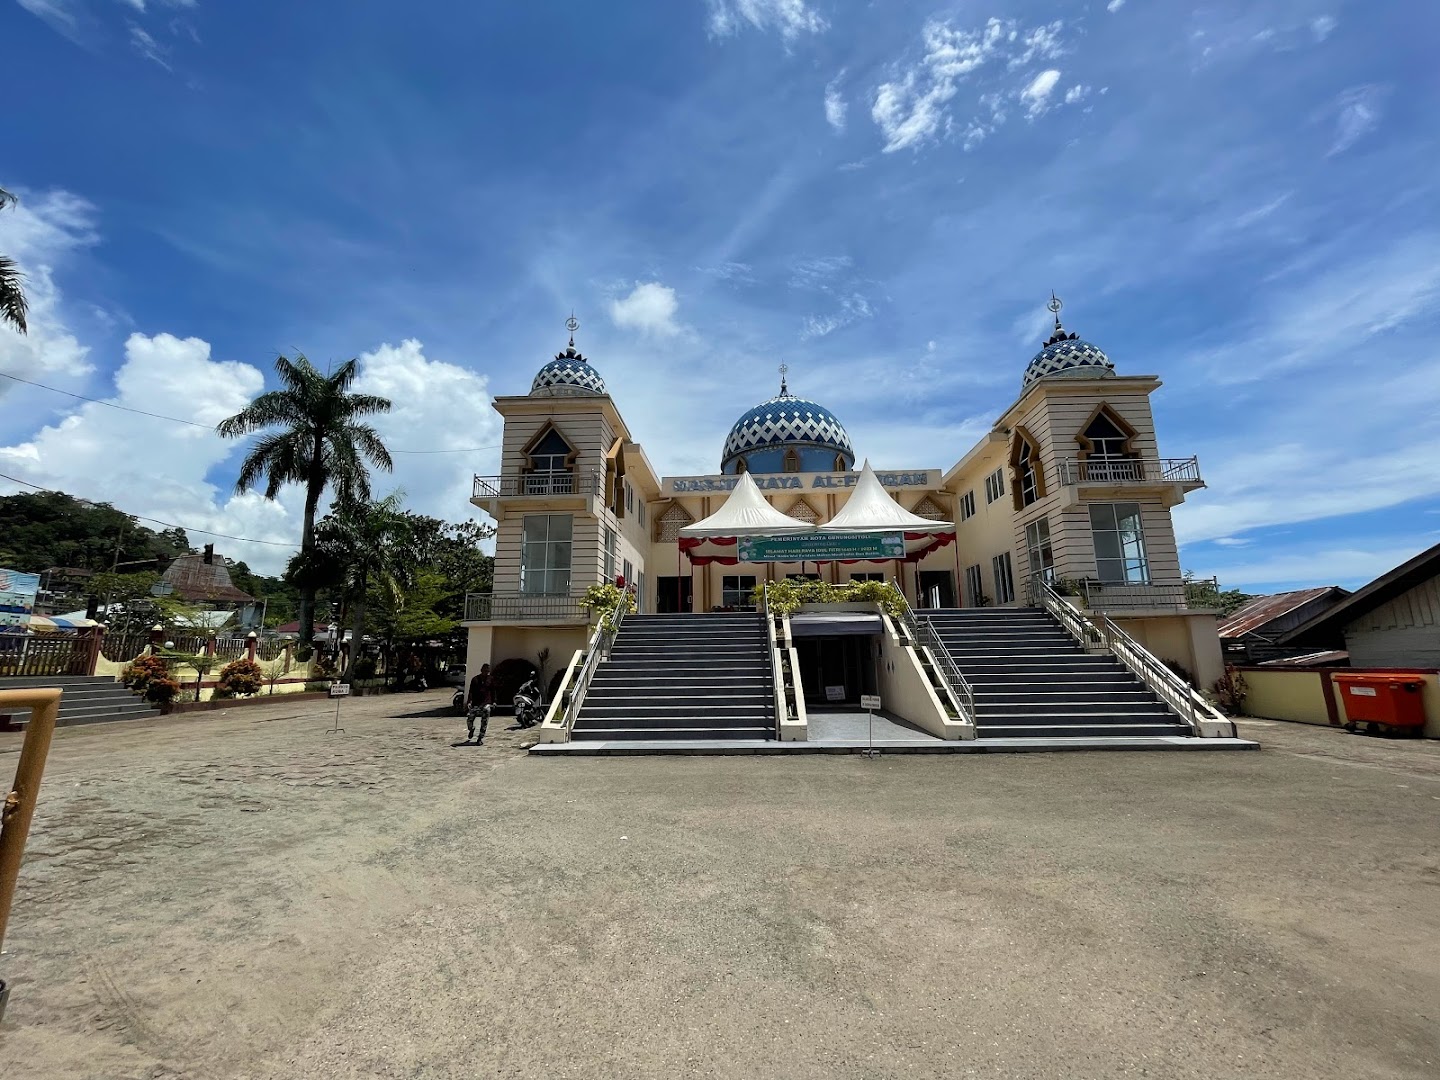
(745,513)
(868,512)
(870,509)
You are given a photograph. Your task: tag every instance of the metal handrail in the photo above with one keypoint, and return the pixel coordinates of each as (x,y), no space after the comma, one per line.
(922,634)
(597,649)
(1141,662)
(772,648)
(558,482)
(1125,470)
(581,684)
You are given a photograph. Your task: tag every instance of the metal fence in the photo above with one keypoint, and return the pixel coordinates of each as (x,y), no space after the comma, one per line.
(492,607)
(537,483)
(1178,596)
(122,648)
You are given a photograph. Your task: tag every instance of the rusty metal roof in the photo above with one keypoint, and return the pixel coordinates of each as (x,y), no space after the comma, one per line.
(192,578)
(1257,613)
(1328,658)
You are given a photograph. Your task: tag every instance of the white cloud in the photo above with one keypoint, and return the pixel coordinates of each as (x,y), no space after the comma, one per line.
(912,107)
(1040,43)
(41,233)
(790,17)
(1357,112)
(63,16)
(835,105)
(1323,564)
(148,47)
(1076,93)
(1114,6)
(160,469)
(650,308)
(1322,26)
(852,308)
(1036,96)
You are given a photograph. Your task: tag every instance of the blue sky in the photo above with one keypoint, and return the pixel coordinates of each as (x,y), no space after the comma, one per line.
(1238,197)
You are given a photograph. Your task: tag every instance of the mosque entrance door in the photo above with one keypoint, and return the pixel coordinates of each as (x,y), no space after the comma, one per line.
(673,595)
(937,589)
(836,670)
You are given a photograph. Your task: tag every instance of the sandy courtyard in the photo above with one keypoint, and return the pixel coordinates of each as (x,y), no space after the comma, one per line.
(241,894)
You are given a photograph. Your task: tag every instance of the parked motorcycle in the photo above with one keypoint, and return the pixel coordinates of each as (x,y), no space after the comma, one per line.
(528,712)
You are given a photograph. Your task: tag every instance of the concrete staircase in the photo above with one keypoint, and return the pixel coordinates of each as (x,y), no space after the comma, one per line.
(87,699)
(1031,678)
(682,677)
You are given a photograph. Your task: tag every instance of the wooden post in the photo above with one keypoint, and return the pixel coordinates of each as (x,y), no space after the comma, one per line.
(251,642)
(157,635)
(44,705)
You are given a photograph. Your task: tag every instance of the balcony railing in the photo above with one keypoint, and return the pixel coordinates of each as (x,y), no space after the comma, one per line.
(1130,471)
(519,607)
(1123,596)
(536,483)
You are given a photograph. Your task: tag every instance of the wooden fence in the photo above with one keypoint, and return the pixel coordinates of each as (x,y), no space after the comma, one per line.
(50,655)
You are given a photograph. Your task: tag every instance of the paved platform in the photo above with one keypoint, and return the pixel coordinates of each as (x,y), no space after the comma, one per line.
(834,732)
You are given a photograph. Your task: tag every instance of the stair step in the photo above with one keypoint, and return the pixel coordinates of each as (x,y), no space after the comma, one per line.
(1078,731)
(581,734)
(721,706)
(679,720)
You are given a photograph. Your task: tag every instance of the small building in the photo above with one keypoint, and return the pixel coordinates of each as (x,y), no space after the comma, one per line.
(1393,622)
(204,579)
(1251,633)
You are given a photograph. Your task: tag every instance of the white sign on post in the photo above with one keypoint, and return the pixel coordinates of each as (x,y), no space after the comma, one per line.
(339,689)
(870,702)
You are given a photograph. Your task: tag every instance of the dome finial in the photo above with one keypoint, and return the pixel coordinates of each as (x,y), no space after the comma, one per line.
(784,368)
(572,324)
(1055,305)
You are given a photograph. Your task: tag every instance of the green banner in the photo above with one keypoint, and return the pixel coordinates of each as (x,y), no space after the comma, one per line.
(821,547)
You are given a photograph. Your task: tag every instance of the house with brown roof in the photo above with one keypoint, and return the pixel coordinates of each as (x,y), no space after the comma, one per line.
(1393,622)
(1252,633)
(203,579)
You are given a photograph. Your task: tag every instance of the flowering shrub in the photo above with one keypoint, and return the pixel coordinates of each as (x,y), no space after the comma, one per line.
(141,671)
(787,596)
(602,601)
(239,678)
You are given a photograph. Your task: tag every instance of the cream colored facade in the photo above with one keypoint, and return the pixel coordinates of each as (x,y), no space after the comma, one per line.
(1039,471)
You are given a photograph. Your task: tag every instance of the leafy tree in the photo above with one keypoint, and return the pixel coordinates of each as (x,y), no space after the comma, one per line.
(12,297)
(45,529)
(364,546)
(310,435)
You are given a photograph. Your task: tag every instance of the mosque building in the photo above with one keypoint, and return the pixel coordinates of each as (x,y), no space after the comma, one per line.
(1068,485)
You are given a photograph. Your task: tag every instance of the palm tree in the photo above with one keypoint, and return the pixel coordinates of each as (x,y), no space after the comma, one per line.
(368,546)
(12,298)
(317,442)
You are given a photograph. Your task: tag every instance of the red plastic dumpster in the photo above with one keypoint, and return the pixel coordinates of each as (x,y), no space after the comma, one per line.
(1394,700)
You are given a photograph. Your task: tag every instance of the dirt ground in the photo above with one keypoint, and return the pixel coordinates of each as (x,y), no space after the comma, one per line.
(242,894)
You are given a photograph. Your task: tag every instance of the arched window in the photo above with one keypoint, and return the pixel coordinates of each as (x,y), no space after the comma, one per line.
(1028,471)
(792,460)
(741,466)
(1107,447)
(547,468)
(840,465)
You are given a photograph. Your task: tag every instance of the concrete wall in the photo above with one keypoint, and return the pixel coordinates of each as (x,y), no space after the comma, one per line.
(905,690)
(1292,694)
(1189,639)
(1301,694)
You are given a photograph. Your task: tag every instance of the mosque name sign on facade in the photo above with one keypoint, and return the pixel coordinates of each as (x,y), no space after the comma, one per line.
(684,485)
(821,547)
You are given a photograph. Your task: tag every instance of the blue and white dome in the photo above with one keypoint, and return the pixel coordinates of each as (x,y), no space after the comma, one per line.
(785,422)
(568,375)
(1066,356)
